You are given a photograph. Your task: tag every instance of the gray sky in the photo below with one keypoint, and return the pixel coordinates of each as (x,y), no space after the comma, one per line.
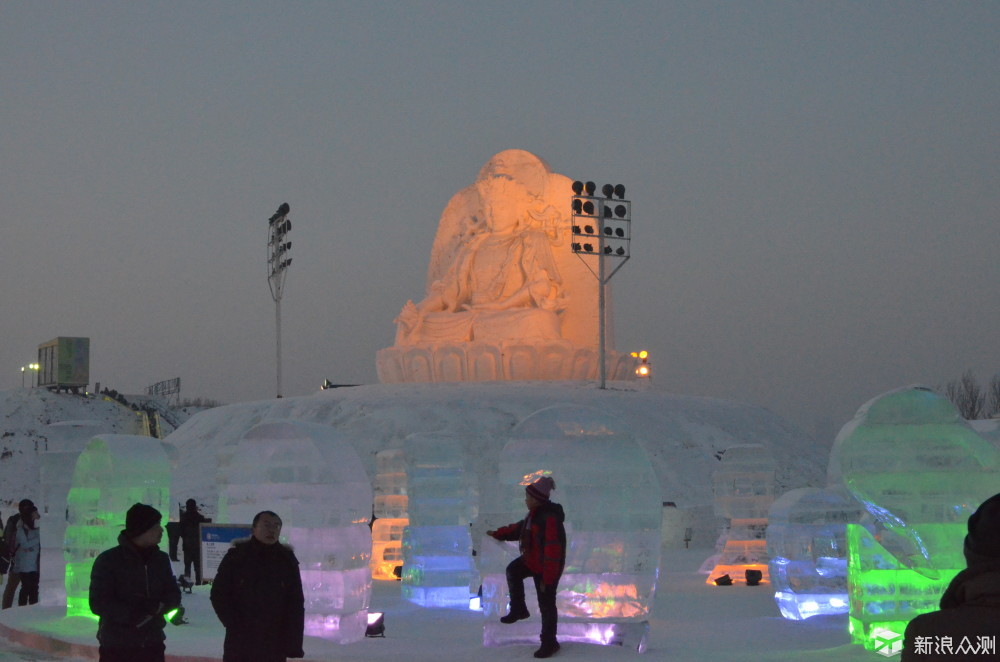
(814,185)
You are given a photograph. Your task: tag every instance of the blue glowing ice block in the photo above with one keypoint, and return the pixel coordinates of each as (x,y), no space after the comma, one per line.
(807,549)
(611,496)
(438,570)
(314,480)
(919,470)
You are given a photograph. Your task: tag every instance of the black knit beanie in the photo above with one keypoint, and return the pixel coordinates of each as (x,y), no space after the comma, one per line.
(983,539)
(139,519)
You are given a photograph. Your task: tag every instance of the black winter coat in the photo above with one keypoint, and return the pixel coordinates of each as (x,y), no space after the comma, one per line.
(257,594)
(970,612)
(125,591)
(190,519)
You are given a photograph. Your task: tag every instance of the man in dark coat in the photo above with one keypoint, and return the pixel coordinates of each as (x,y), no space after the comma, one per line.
(257,594)
(132,586)
(542,541)
(190,520)
(968,624)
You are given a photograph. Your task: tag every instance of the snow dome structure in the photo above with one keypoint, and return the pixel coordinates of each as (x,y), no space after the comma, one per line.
(606,484)
(506,298)
(113,472)
(316,483)
(438,570)
(920,471)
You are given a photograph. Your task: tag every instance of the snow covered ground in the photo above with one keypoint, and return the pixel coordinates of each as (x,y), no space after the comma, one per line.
(692,622)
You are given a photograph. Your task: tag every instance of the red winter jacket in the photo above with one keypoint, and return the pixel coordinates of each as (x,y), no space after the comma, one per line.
(542,541)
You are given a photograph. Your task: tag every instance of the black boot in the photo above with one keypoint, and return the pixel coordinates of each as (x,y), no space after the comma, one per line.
(514,616)
(548,650)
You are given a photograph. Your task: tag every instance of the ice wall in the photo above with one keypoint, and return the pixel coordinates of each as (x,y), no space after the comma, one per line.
(743,488)
(113,472)
(315,481)
(919,470)
(391,515)
(606,484)
(438,570)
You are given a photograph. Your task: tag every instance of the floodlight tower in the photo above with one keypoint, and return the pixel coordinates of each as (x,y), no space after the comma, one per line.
(602,229)
(278,261)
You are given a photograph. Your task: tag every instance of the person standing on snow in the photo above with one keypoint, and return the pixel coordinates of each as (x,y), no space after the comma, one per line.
(257,595)
(132,586)
(24,510)
(191,545)
(542,542)
(25,552)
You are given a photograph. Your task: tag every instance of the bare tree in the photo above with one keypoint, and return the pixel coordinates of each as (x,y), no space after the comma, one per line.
(967,396)
(993,397)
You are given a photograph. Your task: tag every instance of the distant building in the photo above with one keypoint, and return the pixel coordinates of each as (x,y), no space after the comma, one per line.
(64,363)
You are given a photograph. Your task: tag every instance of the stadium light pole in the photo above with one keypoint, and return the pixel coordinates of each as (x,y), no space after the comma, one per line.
(278,261)
(602,228)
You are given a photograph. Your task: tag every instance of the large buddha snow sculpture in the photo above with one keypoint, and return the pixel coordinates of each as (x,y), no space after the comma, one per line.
(506,298)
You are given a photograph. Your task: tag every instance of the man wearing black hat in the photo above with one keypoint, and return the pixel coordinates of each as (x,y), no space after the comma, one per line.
(968,623)
(132,586)
(541,539)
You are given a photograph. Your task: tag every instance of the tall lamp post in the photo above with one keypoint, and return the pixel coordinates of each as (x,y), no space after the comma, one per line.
(602,229)
(278,261)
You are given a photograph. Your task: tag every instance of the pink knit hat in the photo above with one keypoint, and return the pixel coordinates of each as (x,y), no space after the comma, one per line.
(541,488)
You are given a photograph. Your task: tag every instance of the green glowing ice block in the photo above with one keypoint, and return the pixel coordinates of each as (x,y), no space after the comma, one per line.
(113,472)
(884,593)
(919,470)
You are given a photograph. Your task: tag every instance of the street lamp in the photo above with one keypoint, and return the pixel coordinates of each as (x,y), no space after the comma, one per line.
(32,379)
(642,370)
(278,261)
(602,230)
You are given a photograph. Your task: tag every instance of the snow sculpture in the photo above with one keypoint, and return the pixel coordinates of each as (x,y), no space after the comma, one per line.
(390,514)
(315,481)
(920,471)
(438,570)
(506,298)
(606,484)
(113,472)
(744,491)
(807,548)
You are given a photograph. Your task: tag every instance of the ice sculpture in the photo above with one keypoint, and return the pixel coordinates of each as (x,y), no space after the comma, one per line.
(438,570)
(606,484)
(920,471)
(506,299)
(744,491)
(113,472)
(64,441)
(807,550)
(314,480)
(390,514)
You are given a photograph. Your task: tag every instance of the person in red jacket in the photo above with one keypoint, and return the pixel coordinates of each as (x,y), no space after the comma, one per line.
(542,541)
